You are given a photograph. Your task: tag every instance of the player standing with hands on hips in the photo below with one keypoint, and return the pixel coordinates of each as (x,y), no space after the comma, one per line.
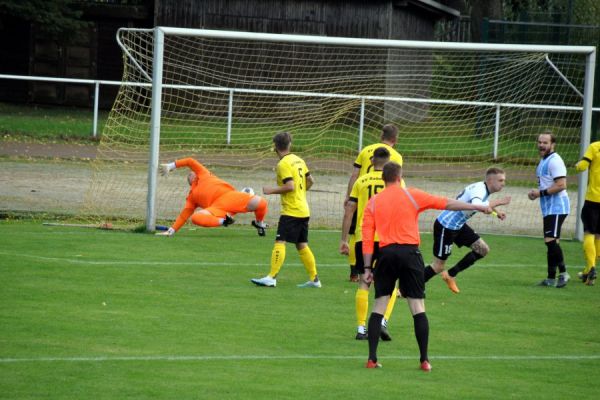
(394,213)
(554,204)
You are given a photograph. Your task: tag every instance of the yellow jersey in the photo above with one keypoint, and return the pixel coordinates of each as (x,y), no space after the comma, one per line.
(365,187)
(363,160)
(293,203)
(591,160)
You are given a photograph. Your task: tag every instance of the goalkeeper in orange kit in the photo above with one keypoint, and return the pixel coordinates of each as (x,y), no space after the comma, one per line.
(218,199)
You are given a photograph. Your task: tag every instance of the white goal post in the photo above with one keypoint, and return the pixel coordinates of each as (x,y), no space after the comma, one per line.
(497,96)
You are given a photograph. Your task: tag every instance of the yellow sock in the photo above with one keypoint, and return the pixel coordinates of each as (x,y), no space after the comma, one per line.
(362,306)
(308,259)
(390,306)
(589,251)
(277,258)
(597,242)
(351,252)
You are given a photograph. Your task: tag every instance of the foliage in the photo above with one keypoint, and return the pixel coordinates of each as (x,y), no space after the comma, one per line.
(59,19)
(577,12)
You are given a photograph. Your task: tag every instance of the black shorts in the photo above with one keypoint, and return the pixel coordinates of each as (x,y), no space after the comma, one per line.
(360,261)
(443,238)
(553,224)
(590,216)
(403,263)
(292,229)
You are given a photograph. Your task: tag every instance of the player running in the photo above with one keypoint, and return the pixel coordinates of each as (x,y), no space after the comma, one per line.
(218,199)
(451,227)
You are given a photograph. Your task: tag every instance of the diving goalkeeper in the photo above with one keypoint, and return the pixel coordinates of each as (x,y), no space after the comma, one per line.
(218,199)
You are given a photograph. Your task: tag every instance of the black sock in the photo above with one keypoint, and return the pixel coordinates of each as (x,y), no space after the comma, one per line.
(468,260)
(429,273)
(374,330)
(421,333)
(554,256)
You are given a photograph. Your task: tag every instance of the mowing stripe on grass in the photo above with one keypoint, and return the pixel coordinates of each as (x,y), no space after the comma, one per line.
(294,357)
(210,264)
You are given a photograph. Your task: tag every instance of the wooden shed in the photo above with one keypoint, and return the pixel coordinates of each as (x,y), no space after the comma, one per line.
(94,54)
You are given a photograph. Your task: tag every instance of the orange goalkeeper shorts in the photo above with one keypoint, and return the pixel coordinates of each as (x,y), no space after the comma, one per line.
(230,203)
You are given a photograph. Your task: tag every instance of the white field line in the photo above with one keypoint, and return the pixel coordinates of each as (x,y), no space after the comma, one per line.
(294,357)
(81,261)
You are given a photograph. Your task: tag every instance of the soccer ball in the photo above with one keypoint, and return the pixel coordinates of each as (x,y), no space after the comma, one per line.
(248,190)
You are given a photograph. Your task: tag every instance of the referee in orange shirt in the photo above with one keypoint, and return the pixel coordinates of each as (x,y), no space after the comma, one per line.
(394,214)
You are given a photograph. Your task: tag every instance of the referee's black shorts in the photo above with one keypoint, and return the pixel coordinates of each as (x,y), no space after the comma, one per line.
(590,217)
(360,261)
(402,262)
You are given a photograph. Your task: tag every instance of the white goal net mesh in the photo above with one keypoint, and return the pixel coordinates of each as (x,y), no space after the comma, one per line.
(458,113)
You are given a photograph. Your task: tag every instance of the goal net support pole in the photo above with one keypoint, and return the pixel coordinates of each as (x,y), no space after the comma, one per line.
(197,58)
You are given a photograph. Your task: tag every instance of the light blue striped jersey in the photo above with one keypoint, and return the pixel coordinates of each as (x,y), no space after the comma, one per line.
(550,168)
(475,193)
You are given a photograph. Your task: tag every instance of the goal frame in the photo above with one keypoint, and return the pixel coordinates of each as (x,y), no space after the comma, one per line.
(156,81)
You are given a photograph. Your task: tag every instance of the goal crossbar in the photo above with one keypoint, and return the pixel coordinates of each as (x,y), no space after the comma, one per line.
(156,79)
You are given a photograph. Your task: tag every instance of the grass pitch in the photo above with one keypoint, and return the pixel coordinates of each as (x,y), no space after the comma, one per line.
(88,313)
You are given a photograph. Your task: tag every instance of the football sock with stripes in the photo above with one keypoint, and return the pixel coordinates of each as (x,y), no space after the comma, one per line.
(421,333)
(362,306)
(464,263)
(308,259)
(277,259)
(374,330)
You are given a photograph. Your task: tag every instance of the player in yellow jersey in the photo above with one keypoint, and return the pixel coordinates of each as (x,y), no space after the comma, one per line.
(293,180)
(590,213)
(362,165)
(365,187)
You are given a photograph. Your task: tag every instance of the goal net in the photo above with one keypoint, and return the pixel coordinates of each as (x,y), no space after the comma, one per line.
(221,96)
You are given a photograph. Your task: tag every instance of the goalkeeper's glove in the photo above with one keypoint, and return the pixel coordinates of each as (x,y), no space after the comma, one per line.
(168,232)
(166,168)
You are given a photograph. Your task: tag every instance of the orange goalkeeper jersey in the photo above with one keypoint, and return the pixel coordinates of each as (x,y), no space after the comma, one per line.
(394,214)
(203,192)
(206,188)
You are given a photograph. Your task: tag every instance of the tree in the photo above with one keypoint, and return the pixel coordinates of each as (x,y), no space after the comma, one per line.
(58,19)
(481,9)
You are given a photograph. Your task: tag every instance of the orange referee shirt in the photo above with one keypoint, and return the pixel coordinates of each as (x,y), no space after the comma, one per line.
(394,214)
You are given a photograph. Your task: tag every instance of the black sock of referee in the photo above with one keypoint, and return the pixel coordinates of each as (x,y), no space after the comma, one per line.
(421,333)
(464,263)
(373,331)
(429,273)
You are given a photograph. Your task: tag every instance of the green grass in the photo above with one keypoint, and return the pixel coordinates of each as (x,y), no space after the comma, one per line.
(88,313)
(48,123)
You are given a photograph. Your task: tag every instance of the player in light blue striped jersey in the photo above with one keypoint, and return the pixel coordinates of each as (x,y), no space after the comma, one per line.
(451,227)
(555,206)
